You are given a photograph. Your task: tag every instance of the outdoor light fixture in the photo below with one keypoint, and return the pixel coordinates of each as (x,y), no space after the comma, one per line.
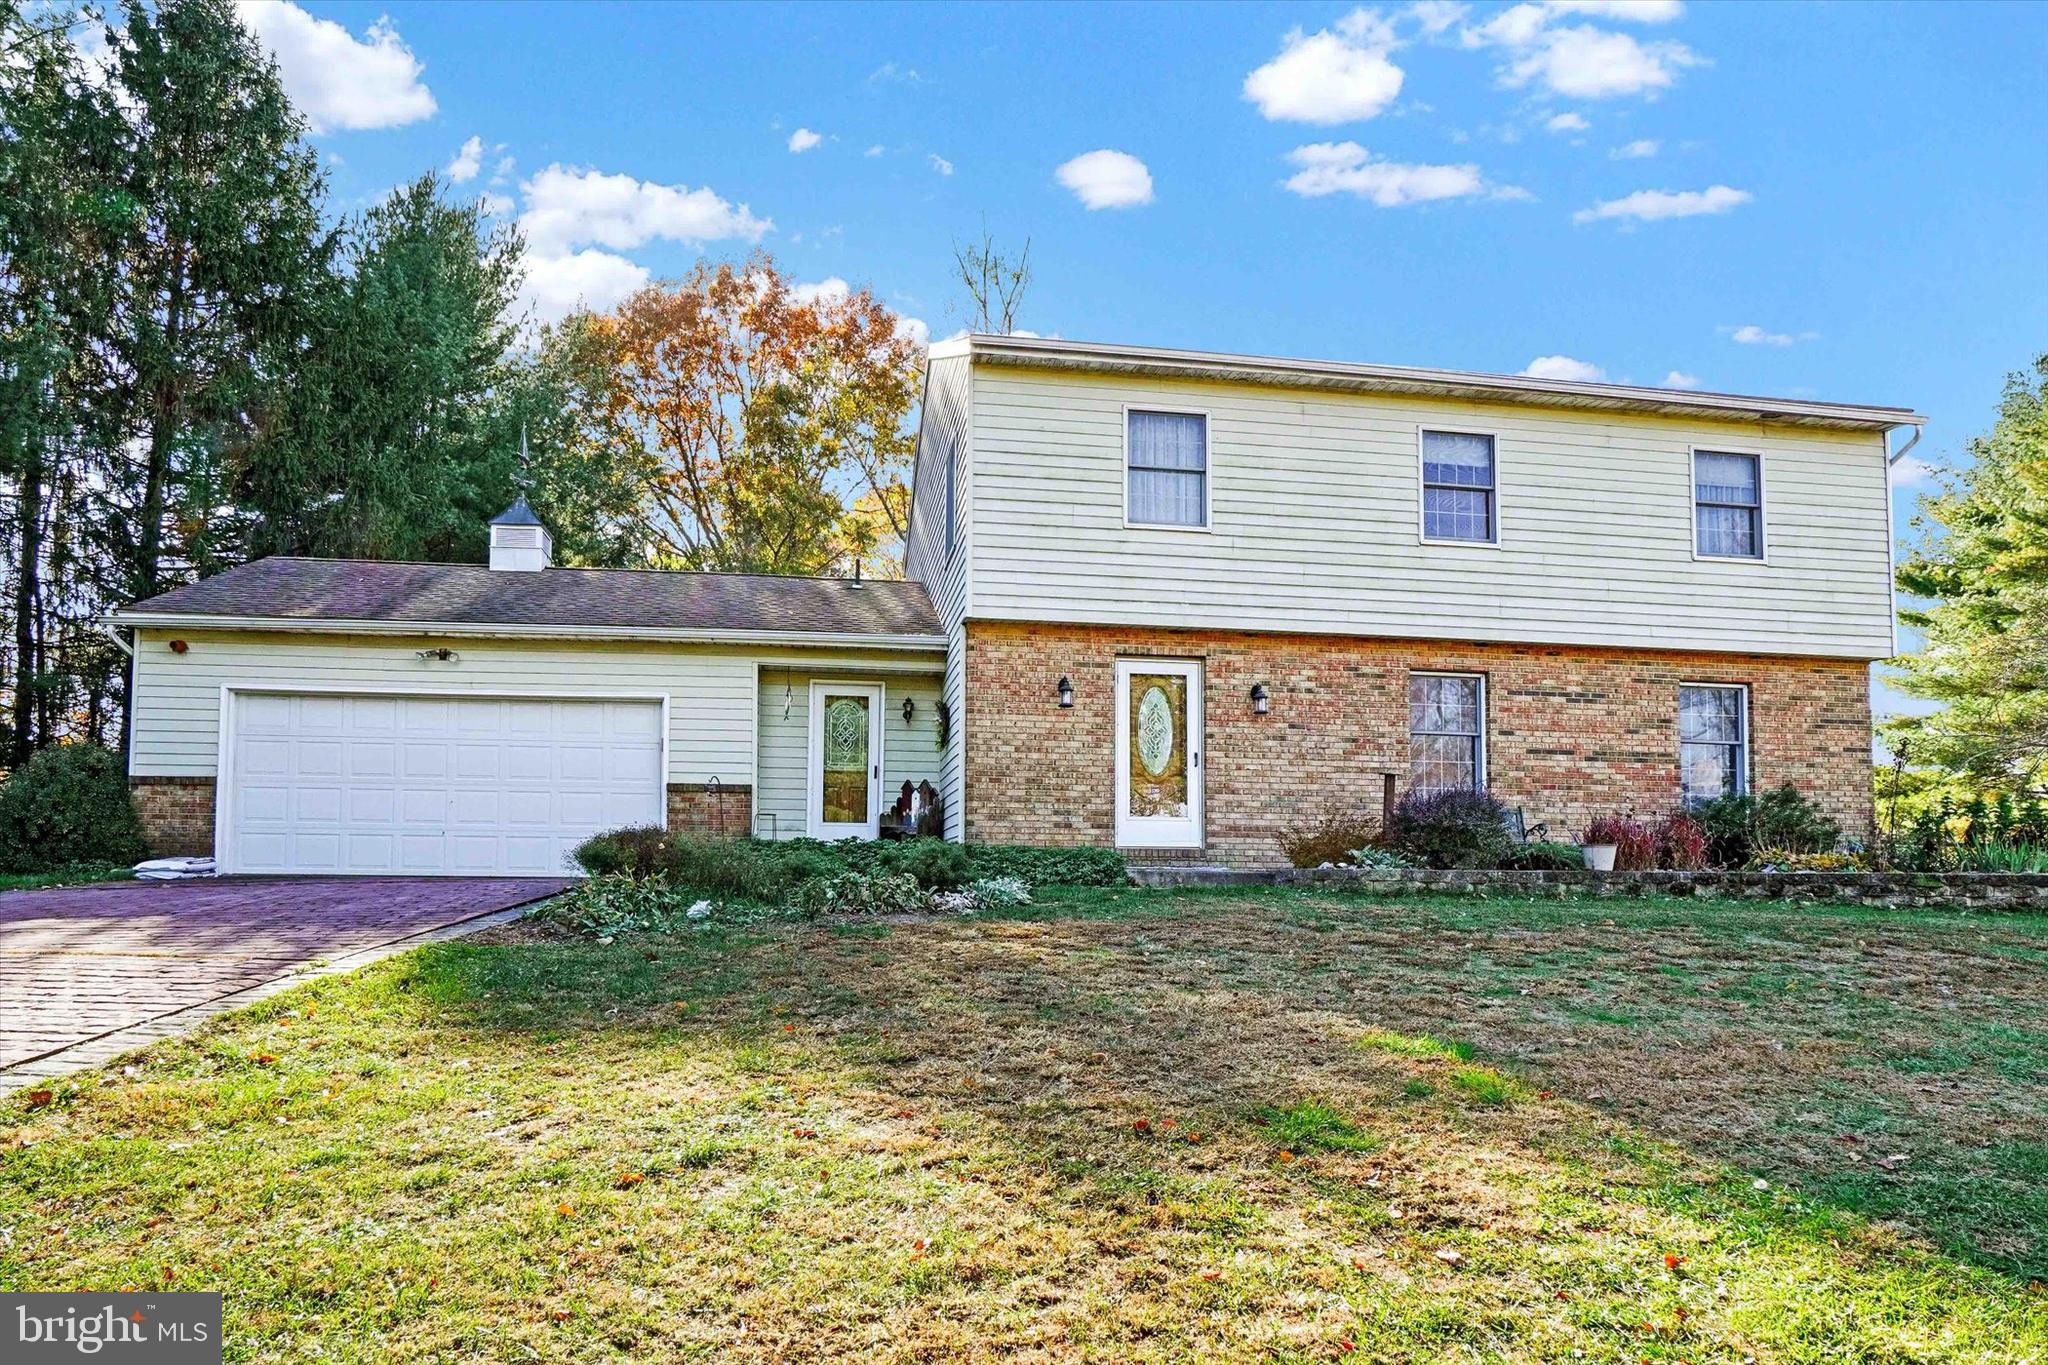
(1066,690)
(441,653)
(909,710)
(1261,699)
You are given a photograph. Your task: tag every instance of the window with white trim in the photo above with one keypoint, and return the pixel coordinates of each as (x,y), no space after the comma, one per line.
(1728,505)
(1167,469)
(1457,486)
(1446,731)
(1713,742)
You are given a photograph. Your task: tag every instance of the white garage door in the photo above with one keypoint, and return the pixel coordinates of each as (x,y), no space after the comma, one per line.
(434,785)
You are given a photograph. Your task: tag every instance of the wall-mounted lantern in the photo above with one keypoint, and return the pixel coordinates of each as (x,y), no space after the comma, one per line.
(1066,690)
(1261,699)
(909,710)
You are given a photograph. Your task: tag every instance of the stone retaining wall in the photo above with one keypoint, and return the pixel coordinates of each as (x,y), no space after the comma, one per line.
(1886,890)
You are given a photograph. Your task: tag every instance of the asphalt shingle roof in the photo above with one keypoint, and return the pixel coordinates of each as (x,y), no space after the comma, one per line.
(469,594)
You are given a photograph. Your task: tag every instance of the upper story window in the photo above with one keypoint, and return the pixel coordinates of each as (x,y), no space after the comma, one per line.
(1446,731)
(1713,741)
(1166,456)
(1457,487)
(1728,505)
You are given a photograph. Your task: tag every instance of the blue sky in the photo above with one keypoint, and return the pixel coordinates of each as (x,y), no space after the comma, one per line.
(1841,201)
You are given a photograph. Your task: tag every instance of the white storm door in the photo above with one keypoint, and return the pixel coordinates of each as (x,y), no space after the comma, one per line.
(435,785)
(1158,753)
(843,774)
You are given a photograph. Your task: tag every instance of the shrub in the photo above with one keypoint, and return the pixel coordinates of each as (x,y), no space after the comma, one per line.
(1449,829)
(1050,866)
(1793,860)
(633,852)
(860,893)
(1544,857)
(998,893)
(936,864)
(67,805)
(1681,844)
(1999,857)
(1329,837)
(1379,859)
(1635,846)
(1781,820)
(613,904)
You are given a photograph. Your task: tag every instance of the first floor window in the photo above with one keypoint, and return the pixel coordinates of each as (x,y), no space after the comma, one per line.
(1713,742)
(1446,731)
(1167,454)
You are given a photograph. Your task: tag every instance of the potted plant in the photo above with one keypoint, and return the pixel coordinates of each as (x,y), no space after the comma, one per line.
(1599,844)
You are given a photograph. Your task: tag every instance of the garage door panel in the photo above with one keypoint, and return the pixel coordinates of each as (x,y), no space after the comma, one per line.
(430,785)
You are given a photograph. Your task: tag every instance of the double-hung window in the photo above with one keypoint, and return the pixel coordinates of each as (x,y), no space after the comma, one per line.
(1166,456)
(1713,741)
(1728,505)
(1446,731)
(1457,487)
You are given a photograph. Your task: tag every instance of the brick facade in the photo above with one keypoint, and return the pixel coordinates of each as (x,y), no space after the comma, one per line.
(176,815)
(730,814)
(1571,732)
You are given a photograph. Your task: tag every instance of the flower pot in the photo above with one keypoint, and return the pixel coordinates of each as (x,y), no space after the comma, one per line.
(1599,857)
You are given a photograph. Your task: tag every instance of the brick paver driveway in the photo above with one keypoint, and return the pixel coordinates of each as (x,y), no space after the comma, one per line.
(84,962)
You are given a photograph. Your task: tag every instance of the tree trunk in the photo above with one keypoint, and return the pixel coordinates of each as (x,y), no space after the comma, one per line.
(28,590)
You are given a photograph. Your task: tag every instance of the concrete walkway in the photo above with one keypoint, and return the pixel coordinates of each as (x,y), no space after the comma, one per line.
(90,972)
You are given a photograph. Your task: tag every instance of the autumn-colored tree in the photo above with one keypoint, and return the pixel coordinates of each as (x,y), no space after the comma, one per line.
(775,415)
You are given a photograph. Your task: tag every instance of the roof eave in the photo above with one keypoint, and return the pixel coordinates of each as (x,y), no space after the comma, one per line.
(520,631)
(1047,353)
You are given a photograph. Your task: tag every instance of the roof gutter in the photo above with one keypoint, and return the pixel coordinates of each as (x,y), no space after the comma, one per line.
(513,631)
(1050,353)
(1900,453)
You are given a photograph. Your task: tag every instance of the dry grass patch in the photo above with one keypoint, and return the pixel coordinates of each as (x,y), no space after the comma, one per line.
(1129,1126)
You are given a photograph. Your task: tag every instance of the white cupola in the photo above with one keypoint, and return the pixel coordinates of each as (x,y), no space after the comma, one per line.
(519,543)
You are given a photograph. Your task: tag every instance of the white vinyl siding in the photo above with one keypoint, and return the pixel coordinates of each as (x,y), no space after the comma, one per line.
(940,559)
(910,750)
(1312,524)
(711,690)
(1166,460)
(1446,732)
(1458,487)
(1713,741)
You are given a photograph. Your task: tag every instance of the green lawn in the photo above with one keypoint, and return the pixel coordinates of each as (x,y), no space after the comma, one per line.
(65,876)
(1280,1125)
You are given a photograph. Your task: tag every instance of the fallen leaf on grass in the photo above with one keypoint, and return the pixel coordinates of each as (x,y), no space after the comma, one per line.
(1142,1125)
(628,1179)
(1450,1257)
(41,1099)
(1673,1262)
(566,1210)
(263,1058)
(803,1132)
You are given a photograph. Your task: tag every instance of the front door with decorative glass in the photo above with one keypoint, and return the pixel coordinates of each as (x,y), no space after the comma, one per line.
(845,768)
(1158,754)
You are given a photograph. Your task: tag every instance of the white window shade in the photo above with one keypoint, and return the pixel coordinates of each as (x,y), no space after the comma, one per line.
(1167,455)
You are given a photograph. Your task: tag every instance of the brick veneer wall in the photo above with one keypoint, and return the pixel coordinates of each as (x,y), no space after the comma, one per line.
(176,815)
(730,814)
(1572,732)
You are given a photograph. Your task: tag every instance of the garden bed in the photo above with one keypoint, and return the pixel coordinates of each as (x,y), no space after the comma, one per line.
(1884,890)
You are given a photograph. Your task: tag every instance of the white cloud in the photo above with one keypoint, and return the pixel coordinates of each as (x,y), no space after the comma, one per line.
(1578,60)
(1107,179)
(502,172)
(556,285)
(1679,379)
(1637,150)
(1347,168)
(1911,470)
(1637,11)
(803,139)
(876,150)
(1434,16)
(893,73)
(497,205)
(1334,75)
(566,206)
(1563,367)
(336,80)
(1753,335)
(940,164)
(1649,206)
(1567,123)
(468,161)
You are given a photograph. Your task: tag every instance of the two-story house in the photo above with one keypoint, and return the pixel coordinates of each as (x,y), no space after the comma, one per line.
(1171,601)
